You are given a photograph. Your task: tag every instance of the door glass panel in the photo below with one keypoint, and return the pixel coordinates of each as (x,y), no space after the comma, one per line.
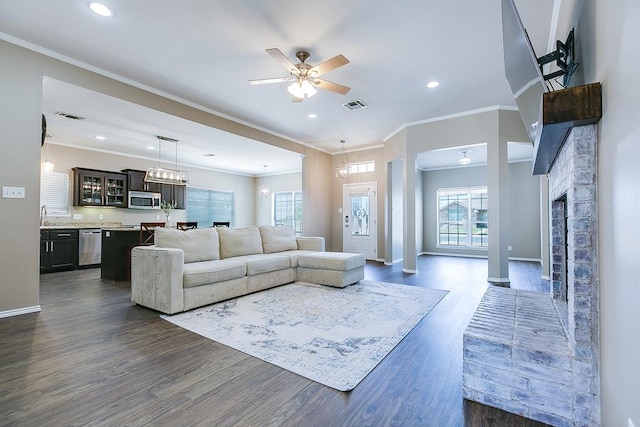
(360,214)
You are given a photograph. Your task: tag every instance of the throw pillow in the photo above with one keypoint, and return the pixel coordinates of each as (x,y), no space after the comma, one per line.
(278,238)
(239,241)
(199,244)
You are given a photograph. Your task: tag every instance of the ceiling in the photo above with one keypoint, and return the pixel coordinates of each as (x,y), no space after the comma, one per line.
(205,51)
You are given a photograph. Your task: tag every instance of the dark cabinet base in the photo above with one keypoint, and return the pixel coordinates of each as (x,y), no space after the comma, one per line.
(116,253)
(58,250)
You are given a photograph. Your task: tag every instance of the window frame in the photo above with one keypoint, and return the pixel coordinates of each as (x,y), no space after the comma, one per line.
(296,198)
(469,221)
(211,190)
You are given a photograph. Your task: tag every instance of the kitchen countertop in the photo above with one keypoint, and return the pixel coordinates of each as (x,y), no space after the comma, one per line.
(80,225)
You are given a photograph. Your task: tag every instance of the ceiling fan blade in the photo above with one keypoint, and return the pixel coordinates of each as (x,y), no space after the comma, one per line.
(328,65)
(282,59)
(274,80)
(333,87)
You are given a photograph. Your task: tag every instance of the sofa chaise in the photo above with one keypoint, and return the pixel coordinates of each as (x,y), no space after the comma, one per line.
(188,269)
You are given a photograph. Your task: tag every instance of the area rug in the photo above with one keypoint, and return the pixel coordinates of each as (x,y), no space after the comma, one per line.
(334,336)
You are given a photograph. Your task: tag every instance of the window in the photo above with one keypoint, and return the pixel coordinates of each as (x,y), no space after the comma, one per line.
(206,206)
(362,167)
(54,193)
(462,217)
(287,209)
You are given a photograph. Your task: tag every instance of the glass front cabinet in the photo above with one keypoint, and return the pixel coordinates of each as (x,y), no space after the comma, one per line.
(99,188)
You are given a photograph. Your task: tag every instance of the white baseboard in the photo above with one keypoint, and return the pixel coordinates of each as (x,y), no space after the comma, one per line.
(410,271)
(498,280)
(456,255)
(19,311)
(395,261)
(545,277)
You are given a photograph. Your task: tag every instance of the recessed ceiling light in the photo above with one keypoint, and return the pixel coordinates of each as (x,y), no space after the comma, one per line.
(100,9)
(433,84)
(100,137)
(209,155)
(151,147)
(312,115)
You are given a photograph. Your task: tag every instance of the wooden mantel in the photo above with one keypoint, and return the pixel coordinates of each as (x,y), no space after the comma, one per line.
(561,111)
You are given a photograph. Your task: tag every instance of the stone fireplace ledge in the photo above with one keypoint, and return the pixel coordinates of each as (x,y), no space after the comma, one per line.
(517,357)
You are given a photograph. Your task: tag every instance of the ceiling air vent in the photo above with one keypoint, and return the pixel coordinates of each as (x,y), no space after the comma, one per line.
(354,105)
(69,116)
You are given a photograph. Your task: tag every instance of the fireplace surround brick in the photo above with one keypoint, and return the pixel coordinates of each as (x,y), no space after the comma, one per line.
(537,354)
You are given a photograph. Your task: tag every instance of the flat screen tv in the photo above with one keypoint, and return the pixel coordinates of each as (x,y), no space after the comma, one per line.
(522,70)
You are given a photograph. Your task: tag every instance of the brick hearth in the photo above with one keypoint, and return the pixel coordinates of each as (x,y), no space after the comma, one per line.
(535,354)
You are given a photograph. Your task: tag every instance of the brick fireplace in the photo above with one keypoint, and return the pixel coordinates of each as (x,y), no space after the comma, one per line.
(535,354)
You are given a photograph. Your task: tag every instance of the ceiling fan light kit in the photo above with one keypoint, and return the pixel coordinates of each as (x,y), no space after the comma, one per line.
(304,76)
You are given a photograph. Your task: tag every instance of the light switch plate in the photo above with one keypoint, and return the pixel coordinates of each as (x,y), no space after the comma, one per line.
(77,216)
(13,192)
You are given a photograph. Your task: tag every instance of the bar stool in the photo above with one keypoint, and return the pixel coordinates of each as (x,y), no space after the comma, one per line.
(147,230)
(222,224)
(189,225)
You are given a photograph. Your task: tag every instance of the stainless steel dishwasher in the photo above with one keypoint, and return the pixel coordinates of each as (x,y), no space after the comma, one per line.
(90,247)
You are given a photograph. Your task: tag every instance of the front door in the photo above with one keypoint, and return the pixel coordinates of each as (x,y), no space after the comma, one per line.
(360,219)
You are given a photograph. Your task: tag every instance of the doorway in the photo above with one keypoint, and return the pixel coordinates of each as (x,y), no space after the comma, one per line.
(360,219)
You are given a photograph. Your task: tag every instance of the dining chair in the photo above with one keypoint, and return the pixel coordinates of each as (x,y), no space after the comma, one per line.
(189,225)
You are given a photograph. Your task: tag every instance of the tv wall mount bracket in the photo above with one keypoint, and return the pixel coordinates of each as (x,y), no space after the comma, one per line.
(564,59)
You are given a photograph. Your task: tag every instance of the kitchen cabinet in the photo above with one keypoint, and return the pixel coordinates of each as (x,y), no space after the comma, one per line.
(169,192)
(58,250)
(99,188)
(136,182)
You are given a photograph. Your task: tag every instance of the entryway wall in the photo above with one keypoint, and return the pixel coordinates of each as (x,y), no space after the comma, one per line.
(523,213)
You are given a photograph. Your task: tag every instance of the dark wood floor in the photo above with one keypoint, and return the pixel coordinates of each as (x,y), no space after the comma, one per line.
(91,357)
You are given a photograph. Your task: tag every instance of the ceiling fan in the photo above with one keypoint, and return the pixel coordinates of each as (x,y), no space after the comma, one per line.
(305,76)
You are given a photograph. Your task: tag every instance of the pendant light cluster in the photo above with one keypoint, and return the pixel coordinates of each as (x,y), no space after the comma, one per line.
(165,175)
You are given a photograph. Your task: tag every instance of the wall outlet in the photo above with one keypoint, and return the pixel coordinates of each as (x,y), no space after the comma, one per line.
(77,216)
(510,247)
(630,423)
(13,192)
(100,216)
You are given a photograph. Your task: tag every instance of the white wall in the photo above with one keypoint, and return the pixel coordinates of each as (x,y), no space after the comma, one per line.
(609,35)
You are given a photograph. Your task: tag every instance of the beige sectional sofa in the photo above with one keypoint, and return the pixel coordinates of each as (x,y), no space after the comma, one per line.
(193,268)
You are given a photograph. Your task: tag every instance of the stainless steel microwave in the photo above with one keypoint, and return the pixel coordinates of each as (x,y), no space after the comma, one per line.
(144,200)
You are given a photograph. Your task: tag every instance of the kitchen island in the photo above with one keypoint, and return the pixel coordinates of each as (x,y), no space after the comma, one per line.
(117,243)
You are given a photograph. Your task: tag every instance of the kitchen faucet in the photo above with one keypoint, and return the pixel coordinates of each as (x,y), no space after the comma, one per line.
(43,213)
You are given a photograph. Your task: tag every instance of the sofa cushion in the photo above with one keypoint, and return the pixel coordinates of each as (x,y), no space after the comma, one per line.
(208,272)
(278,238)
(264,263)
(199,244)
(239,241)
(337,261)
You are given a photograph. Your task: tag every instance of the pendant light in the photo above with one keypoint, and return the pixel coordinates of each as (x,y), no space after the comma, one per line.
(264,190)
(165,175)
(46,166)
(342,170)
